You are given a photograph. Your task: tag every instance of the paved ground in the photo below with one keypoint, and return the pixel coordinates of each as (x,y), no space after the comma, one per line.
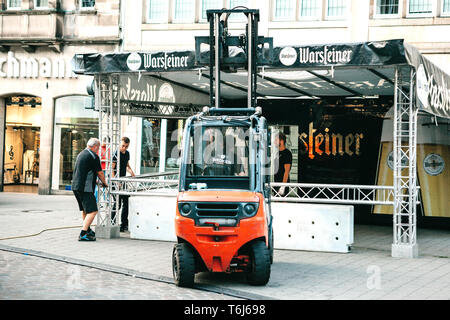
(48,226)
(27,277)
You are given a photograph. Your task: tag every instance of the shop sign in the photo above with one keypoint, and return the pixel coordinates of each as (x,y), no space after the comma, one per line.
(433,164)
(350,54)
(434,95)
(149,89)
(390,161)
(288,56)
(165,61)
(34,67)
(326,55)
(134,61)
(328,143)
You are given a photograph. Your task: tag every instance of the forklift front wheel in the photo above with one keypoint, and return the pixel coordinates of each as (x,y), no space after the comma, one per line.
(260,264)
(183,265)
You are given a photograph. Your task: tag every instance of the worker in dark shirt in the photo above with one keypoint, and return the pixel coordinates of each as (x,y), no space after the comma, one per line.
(87,169)
(124,168)
(284,161)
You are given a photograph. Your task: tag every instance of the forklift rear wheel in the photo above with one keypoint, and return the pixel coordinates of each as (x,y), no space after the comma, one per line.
(260,264)
(183,265)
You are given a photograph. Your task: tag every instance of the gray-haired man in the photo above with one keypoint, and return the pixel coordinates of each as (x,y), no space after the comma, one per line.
(87,169)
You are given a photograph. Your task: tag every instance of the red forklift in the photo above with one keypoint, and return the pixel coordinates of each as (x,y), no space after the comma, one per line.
(223,216)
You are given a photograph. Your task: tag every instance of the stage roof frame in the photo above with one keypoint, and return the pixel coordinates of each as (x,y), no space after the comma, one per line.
(365,69)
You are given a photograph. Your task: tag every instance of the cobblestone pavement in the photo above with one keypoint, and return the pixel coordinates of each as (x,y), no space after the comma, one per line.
(27,277)
(48,225)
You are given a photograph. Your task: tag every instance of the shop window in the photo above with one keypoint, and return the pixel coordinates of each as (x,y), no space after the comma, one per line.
(22,140)
(158,11)
(291,133)
(174,138)
(310,9)
(161,145)
(184,11)
(75,124)
(150,148)
(336,9)
(284,10)
(421,8)
(387,8)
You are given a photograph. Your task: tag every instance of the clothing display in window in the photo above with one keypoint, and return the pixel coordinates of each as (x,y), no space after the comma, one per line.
(28,159)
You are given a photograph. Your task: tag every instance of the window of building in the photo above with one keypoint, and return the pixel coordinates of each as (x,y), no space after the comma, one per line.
(87,3)
(387,8)
(445,8)
(238,3)
(40,4)
(75,123)
(310,9)
(336,9)
(209,4)
(421,8)
(184,11)
(14,4)
(158,11)
(284,10)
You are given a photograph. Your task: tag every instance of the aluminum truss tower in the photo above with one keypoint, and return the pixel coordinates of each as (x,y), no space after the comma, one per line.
(107,104)
(405,186)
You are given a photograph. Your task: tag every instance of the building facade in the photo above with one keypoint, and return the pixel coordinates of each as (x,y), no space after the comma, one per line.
(172,25)
(46,114)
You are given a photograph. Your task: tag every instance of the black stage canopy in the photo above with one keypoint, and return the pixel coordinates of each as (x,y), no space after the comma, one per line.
(364,69)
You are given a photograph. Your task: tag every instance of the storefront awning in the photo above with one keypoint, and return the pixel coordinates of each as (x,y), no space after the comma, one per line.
(299,72)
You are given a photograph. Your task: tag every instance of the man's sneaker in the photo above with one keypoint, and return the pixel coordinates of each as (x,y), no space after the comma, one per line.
(86,237)
(123,228)
(91,232)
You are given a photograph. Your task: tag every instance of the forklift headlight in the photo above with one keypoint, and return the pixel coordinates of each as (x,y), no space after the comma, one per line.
(250,209)
(185,209)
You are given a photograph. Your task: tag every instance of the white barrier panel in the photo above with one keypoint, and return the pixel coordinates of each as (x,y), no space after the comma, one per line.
(297,226)
(152,217)
(312,227)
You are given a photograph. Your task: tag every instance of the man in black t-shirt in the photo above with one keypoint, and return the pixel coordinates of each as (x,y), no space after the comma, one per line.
(87,169)
(124,167)
(284,162)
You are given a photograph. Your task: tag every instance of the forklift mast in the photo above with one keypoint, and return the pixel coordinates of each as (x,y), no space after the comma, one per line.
(223,177)
(247,52)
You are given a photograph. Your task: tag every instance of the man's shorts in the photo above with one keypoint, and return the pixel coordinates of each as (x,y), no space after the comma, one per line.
(86,201)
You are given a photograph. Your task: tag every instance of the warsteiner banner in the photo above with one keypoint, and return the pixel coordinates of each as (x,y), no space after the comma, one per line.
(432,84)
(133,62)
(374,53)
(351,61)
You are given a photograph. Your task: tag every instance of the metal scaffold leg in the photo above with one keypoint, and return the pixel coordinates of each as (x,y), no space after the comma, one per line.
(107,104)
(405,188)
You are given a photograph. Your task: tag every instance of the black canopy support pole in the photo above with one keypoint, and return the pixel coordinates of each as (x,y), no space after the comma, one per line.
(211,58)
(217,58)
(379,74)
(234,86)
(281,84)
(382,76)
(335,84)
(184,85)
